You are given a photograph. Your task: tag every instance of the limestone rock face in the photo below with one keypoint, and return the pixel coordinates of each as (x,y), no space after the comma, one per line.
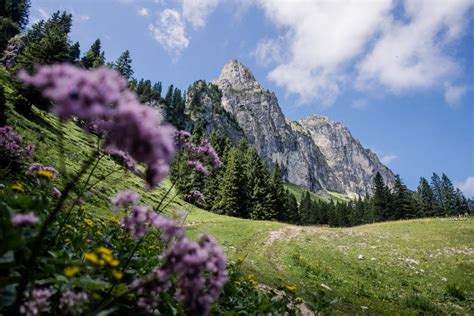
(315,152)
(353,165)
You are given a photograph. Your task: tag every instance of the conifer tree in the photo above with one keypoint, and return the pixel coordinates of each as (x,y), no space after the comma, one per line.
(48,42)
(94,57)
(291,213)
(402,201)
(438,194)
(306,208)
(448,195)
(124,65)
(231,193)
(13,19)
(381,198)
(425,198)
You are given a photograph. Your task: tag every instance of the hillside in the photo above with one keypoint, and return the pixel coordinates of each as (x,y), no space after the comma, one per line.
(408,267)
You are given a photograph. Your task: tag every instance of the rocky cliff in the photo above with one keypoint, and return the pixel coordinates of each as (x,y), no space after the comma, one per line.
(315,152)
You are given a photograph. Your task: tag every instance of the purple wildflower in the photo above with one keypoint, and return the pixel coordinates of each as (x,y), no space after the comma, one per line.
(196,195)
(38,302)
(56,193)
(35,167)
(73,301)
(200,269)
(24,219)
(88,95)
(135,129)
(11,147)
(198,167)
(211,153)
(124,199)
(137,224)
(123,158)
(101,99)
(150,287)
(182,136)
(168,227)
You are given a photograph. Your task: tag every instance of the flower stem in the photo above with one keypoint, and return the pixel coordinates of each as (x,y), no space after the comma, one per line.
(36,247)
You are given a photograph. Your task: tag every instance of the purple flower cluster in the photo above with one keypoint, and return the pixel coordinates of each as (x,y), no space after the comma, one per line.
(123,158)
(196,195)
(200,269)
(35,167)
(137,224)
(168,227)
(198,167)
(73,301)
(100,97)
(38,302)
(204,151)
(182,136)
(124,199)
(25,219)
(88,95)
(11,147)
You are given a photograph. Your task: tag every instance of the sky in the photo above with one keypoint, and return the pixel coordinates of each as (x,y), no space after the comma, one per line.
(398,74)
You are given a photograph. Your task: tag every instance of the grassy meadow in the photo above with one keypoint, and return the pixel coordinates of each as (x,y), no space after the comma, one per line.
(404,267)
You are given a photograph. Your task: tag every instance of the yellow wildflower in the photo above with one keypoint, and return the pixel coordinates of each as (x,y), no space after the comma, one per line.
(299,300)
(45,173)
(68,227)
(71,271)
(18,187)
(88,221)
(117,274)
(291,288)
(104,251)
(91,257)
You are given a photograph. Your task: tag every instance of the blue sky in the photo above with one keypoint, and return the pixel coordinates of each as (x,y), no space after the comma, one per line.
(399,75)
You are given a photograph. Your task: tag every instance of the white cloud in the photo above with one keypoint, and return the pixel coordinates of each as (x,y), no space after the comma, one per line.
(323,36)
(360,104)
(467,187)
(196,12)
(387,159)
(169,32)
(143,12)
(269,51)
(83,17)
(454,94)
(411,55)
(398,51)
(43,13)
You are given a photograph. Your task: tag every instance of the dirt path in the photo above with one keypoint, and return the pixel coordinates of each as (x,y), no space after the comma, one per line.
(284,233)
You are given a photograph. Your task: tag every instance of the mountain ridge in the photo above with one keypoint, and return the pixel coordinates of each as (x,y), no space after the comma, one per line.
(314,152)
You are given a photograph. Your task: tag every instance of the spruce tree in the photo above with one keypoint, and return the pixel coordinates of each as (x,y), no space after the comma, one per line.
(124,65)
(448,195)
(48,42)
(306,208)
(94,57)
(438,194)
(13,19)
(425,198)
(402,201)
(291,213)
(381,198)
(231,193)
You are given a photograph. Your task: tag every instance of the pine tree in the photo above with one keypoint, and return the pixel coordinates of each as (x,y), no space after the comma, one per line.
(94,57)
(425,198)
(381,198)
(461,203)
(306,208)
(448,195)
(231,193)
(402,202)
(277,193)
(438,194)
(292,214)
(124,65)
(48,42)
(13,19)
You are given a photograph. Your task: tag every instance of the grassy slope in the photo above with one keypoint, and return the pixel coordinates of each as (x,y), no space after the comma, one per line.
(409,257)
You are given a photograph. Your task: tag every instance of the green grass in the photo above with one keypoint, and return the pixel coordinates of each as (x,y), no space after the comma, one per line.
(409,267)
(324,196)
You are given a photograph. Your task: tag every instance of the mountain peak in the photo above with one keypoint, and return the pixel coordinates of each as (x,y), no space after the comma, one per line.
(236,75)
